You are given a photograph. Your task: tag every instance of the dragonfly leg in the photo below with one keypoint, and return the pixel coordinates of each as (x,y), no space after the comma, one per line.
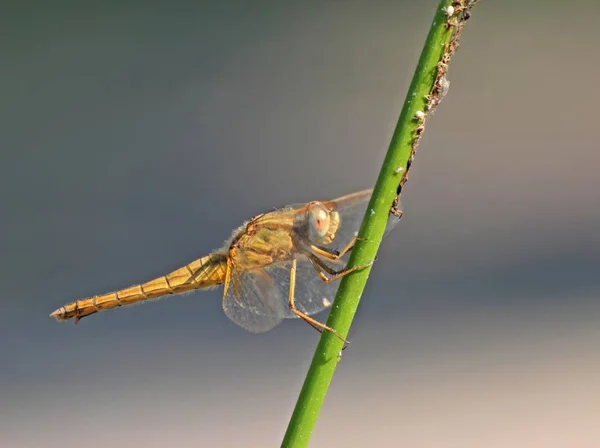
(305,317)
(334,254)
(320,266)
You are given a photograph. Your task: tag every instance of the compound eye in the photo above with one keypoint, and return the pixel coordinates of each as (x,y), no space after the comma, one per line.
(318,221)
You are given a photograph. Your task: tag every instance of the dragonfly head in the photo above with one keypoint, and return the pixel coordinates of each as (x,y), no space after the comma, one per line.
(322,222)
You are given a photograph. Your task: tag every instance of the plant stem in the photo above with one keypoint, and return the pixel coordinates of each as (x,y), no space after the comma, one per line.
(393,173)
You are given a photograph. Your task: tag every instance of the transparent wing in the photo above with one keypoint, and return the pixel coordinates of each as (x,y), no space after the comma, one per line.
(253,302)
(352,208)
(258,300)
(311,295)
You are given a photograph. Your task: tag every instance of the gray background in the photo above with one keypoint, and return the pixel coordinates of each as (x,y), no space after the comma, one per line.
(134,137)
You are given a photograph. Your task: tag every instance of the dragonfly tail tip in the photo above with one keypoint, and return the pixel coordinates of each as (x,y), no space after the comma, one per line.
(58,314)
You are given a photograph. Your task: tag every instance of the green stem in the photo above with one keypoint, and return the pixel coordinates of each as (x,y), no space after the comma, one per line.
(351,287)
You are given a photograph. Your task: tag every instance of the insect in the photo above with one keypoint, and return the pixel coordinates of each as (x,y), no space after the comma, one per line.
(280,264)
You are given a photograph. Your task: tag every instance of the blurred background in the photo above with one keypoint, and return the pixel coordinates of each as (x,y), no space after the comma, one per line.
(134,137)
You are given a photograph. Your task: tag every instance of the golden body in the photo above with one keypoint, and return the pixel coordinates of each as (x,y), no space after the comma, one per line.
(287,239)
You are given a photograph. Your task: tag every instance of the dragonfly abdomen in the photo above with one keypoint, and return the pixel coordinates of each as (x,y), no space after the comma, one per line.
(202,273)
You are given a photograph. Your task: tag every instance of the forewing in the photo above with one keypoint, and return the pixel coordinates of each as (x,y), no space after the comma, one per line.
(352,210)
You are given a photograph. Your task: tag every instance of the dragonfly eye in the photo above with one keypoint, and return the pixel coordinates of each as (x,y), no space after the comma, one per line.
(318,221)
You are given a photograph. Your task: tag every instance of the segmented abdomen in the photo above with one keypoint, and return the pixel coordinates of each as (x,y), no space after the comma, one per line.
(204,272)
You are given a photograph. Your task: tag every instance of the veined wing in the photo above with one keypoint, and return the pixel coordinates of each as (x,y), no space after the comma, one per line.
(257,300)
(253,301)
(352,208)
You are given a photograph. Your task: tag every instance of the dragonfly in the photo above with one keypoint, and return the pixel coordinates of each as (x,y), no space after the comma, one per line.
(281,264)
